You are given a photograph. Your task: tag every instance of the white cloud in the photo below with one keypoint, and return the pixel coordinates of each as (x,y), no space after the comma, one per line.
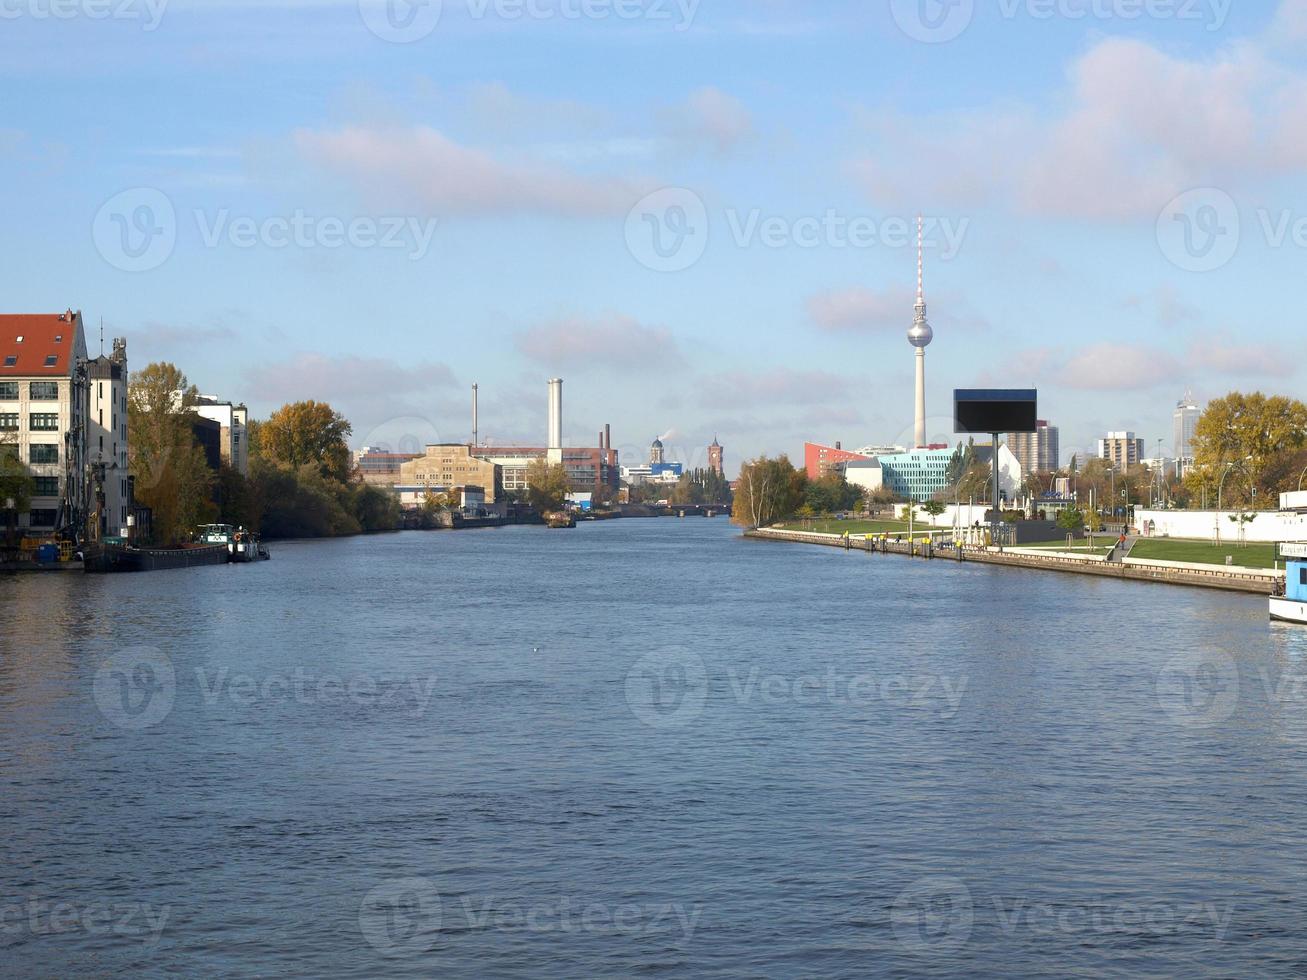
(369,391)
(418,166)
(776,387)
(614,340)
(1134,127)
(713,118)
(859,309)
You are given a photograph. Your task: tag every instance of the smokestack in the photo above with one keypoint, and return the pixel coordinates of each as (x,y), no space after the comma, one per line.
(475,434)
(556,415)
(608,436)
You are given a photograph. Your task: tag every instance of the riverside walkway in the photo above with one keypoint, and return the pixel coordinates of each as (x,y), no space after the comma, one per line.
(1255,581)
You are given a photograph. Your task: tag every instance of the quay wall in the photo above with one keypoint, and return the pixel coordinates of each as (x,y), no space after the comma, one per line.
(1269,527)
(1251,581)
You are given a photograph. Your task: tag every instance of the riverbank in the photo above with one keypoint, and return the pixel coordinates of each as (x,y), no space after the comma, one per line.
(1247,580)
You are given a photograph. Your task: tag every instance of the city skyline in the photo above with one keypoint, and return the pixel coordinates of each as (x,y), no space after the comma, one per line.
(524,203)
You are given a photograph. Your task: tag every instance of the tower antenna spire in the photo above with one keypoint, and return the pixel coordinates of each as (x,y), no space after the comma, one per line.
(102,336)
(920,336)
(921,263)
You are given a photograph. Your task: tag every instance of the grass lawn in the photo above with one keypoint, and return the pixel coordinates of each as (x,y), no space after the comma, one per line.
(1204,552)
(856,527)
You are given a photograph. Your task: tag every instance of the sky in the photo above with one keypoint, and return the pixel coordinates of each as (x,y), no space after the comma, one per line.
(699,213)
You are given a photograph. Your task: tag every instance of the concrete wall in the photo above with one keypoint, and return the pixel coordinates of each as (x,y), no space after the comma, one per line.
(1202,524)
(963,515)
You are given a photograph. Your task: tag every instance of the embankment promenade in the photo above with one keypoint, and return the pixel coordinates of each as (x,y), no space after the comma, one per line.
(1249,580)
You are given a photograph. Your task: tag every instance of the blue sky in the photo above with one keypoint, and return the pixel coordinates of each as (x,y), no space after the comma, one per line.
(288,202)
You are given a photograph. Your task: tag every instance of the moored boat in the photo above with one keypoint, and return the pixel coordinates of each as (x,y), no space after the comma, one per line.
(110,557)
(560,519)
(1291,606)
(216,544)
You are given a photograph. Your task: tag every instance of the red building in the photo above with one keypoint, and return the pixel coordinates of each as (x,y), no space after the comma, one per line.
(716,461)
(820,460)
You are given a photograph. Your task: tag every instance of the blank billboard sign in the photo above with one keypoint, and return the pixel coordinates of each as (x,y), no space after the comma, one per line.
(985,410)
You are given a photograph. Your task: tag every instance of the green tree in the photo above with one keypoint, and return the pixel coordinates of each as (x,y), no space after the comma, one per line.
(172,477)
(308,432)
(933,509)
(547,485)
(1071,519)
(769,490)
(16,485)
(831,493)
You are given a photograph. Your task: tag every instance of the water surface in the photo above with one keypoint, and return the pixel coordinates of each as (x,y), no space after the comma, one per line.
(645,748)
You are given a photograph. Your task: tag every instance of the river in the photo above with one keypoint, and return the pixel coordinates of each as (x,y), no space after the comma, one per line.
(645,748)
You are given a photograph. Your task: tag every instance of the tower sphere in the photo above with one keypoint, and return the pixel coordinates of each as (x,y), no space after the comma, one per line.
(921,333)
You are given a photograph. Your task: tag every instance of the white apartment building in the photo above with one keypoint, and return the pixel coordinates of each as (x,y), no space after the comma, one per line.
(43,404)
(234,420)
(106,440)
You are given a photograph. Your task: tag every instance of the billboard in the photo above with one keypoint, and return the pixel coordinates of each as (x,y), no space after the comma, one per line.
(987,410)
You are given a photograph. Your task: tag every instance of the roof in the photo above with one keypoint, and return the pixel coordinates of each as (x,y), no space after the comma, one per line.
(48,344)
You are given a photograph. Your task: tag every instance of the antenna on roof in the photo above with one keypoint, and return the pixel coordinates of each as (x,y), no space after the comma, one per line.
(102,336)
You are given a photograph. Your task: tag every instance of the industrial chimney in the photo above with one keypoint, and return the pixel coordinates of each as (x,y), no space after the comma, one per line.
(556,420)
(475,435)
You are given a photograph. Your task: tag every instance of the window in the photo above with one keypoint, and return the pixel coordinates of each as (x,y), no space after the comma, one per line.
(44,391)
(9,391)
(47,486)
(43,422)
(1302,576)
(42,453)
(51,360)
(42,518)
(8,421)
(11,360)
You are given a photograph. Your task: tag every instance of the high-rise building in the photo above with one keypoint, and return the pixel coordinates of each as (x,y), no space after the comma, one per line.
(1121,449)
(920,336)
(43,403)
(1187,414)
(716,462)
(1038,451)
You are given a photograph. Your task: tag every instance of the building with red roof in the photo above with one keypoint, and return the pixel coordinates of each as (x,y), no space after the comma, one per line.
(43,404)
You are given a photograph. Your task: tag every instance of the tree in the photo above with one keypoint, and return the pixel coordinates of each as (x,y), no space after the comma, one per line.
(959,465)
(547,485)
(172,477)
(1243,439)
(933,509)
(831,493)
(1071,519)
(976,483)
(308,432)
(769,490)
(16,484)
(687,490)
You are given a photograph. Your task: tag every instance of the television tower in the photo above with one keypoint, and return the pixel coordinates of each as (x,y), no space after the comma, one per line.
(920,337)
